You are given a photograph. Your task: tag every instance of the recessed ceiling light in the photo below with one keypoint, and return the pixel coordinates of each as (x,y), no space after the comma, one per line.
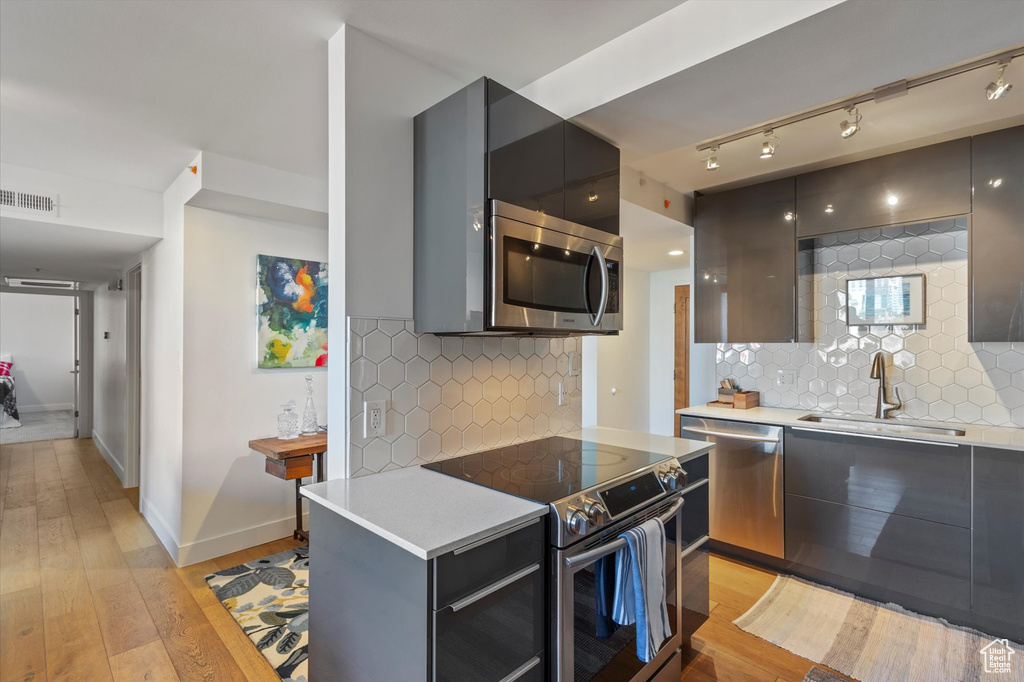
(995,182)
(1000,88)
(676,252)
(769,145)
(892,200)
(829,209)
(849,127)
(789,215)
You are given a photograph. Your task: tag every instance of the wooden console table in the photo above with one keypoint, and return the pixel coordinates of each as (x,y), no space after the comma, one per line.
(293,460)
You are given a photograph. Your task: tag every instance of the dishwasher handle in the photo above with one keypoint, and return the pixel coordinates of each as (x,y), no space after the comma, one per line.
(733,435)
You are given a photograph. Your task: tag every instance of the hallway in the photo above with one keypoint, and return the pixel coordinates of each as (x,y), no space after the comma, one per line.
(87,592)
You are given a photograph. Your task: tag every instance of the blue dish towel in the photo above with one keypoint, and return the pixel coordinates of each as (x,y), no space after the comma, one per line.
(640,587)
(604,594)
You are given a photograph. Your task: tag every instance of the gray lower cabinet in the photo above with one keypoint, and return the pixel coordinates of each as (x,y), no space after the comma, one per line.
(998,553)
(920,565)
(886,518)
(476,613)
(928,481)
(912,186)
(745,265)
(997,237)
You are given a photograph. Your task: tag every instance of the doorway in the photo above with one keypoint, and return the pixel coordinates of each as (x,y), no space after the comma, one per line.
(681,373)
(133,355)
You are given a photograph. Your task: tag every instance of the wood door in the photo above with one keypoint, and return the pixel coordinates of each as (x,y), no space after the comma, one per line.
(681,375)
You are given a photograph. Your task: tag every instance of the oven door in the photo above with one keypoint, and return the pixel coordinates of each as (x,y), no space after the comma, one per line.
(545,279)
(579,653)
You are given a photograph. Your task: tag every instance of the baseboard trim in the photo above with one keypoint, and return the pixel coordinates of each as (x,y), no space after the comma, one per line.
(56,407)
(202,550)
(160,527)
(109,456)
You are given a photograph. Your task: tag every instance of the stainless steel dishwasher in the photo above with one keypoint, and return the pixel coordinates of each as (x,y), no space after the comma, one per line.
(746,493)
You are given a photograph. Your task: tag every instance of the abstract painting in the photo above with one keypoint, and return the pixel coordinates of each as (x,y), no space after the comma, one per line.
(292,312)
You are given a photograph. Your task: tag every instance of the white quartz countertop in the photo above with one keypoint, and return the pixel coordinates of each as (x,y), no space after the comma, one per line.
(428,513)
(990,436)
(422,511)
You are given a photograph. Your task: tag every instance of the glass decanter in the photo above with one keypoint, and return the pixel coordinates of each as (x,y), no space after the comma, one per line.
(310,426)
(287,423)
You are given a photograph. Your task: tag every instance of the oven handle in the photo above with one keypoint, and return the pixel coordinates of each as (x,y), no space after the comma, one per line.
(597,317)
(593,554)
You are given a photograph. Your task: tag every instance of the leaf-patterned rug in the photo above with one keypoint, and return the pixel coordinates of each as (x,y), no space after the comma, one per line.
(269,599)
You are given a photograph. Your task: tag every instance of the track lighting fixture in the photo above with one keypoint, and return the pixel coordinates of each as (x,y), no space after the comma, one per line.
(850,126)
(769,145)
(592,197)
(1000,88)
(711,160)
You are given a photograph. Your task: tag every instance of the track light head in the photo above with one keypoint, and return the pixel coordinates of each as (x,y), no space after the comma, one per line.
(711,160)
(1000,88)
(849,127)
(769,145)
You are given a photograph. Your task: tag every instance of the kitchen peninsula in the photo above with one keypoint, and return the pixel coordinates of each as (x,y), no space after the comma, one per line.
(460,573)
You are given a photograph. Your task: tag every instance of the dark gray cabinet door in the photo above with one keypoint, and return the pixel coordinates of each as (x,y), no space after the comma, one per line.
(525,152)
(591,180)
(918,564)
(745,265)
(919,184)
(997,237)
(998,589)
(917,480)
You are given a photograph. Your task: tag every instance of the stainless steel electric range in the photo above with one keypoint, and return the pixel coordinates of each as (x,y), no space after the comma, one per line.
(594,492)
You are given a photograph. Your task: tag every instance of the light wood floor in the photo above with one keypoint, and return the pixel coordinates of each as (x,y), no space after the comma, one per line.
(87,593)
(721,651)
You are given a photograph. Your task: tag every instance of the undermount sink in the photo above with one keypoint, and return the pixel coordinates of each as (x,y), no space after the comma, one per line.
(868,425)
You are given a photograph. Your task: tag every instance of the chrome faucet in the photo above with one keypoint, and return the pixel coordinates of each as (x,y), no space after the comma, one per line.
(878,372)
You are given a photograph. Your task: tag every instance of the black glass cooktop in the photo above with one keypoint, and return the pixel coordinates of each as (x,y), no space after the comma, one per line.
(547,470)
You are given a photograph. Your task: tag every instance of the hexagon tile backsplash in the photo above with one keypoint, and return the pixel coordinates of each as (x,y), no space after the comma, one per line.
(450,396)
(940,375)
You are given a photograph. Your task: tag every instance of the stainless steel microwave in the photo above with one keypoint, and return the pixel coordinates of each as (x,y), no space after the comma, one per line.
(548,275)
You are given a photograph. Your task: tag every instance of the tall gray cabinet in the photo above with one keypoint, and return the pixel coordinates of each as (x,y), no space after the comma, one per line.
(997,237)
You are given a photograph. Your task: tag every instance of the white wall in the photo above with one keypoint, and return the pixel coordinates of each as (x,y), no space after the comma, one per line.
(228,501)
(110,377)
(87,203)
(702,355)
(162,322)
(622,363)
(39,332)
(374,91)
(384,90)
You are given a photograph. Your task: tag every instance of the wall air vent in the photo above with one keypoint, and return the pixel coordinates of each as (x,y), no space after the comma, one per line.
(28,202)
(25,282)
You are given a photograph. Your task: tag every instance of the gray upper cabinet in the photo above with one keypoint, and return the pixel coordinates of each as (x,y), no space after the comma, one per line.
(745,265)
(997,237)
(916,185)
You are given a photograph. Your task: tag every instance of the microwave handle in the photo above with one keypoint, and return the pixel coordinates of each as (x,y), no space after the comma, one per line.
(603,266)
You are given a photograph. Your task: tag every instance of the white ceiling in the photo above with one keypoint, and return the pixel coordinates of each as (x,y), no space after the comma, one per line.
(65,252)
(944,110)
(647,237)
(128,92)
(846,49)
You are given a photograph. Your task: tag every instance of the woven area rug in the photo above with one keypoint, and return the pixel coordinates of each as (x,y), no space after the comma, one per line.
(873,642)
(269,599)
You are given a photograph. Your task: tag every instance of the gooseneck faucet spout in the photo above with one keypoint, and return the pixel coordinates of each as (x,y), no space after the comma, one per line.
(878,372)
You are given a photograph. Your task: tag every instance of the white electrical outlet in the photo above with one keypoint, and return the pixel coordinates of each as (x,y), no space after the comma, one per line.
(561,394)
(787,377)
(572,364)
(375,419)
